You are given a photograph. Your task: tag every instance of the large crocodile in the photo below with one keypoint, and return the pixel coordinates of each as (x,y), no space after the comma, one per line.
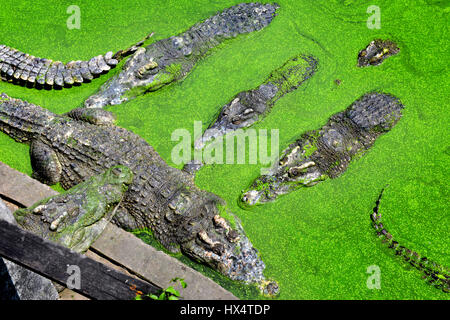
(20,67)
(172,59)
(161,198)
(327,152)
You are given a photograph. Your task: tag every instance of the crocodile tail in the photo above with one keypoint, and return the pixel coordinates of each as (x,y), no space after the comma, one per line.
(436,274)
(20,67)
(22,120)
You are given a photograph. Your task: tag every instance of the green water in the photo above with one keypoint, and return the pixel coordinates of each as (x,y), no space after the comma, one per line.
(316,242)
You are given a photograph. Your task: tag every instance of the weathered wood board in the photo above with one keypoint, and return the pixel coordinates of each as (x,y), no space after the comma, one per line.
(60,264)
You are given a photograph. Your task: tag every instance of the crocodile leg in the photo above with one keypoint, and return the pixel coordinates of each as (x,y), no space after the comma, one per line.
(45,163)
(77,217)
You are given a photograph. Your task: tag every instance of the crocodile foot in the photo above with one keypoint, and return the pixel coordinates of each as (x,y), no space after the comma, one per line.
(77,217)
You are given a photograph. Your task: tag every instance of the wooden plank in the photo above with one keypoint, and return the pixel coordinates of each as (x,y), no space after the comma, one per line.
(21,188)
(52,260)
(156,266)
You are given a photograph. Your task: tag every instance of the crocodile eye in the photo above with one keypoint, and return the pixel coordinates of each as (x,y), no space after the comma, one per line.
(293,172)
(147,67)
(296,172)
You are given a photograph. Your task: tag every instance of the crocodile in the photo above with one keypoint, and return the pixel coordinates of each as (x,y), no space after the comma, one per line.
(77,217)
(172,59)
(327,152)
(376,51)
(249,107)
(23,68)
(434,273)
(160,198)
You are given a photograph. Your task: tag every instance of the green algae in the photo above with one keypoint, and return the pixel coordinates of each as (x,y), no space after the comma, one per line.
(316,242)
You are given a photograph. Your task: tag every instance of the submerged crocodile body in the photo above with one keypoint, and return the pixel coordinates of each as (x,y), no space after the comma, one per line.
(327,152)
(169,60)
(20,67)
(436,274)
(160,197)
(248,107)
(77,217)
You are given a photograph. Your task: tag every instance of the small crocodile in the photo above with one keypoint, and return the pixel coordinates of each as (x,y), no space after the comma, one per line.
(20,67)
(327,152)
(172,59)
(77,217)
(161,198)
(248,107)
(434,273)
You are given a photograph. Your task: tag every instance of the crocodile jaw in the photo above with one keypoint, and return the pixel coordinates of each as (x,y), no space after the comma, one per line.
(230,252)
(110,94)
(278,182)
(210,134)
(123,88)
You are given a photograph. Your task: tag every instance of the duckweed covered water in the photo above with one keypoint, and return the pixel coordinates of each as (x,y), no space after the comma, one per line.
(316,242)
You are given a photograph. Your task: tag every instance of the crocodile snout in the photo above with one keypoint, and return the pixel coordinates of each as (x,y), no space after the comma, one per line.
(229,251)
(112,93)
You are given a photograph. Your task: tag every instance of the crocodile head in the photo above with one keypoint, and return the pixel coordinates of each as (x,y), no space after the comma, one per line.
(295,169)
(227,249)
(287,178)
(304,163)
(140,74)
